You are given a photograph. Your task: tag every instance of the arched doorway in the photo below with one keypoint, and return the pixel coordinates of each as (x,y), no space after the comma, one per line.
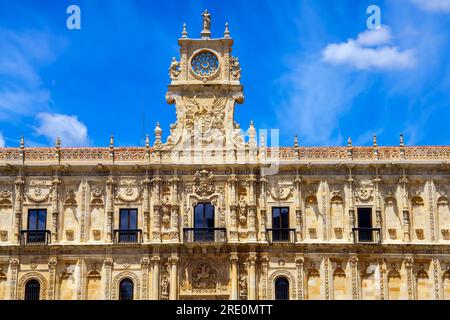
(126,288)
(32,290)
(281,289)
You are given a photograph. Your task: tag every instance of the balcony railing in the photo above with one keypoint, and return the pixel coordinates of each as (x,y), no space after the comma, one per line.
(281,235)
(130,236)
(367,235)
(204,235)
(35,237)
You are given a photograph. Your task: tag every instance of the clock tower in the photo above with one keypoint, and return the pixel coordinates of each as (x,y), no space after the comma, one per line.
(205,86)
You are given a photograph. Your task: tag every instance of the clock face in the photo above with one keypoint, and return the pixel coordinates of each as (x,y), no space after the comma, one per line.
(205,64)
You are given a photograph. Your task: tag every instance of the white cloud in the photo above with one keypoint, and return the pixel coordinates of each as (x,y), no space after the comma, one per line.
(71,131)
(433,5)
(2,141)
(369,51)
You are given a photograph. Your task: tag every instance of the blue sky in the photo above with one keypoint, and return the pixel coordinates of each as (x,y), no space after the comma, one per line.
(310,68)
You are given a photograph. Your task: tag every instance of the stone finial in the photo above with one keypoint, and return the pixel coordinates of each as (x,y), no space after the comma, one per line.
(58,143)
(226,34)
(158,135)
(111,141)
(252,135)
(349,142)
(375,141)
(147,141)
(296,141)
(402,142)
(22,142)
(262,144)
(184,33)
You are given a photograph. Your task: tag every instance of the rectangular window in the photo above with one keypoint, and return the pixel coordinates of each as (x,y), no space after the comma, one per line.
(128,219)
(365,232)
(280,218)
(37,219)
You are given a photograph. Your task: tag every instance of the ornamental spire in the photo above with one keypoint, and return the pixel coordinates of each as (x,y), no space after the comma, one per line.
(226,34)
(184,34)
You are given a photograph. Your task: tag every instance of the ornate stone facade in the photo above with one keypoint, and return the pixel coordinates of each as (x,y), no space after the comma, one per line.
(360,222)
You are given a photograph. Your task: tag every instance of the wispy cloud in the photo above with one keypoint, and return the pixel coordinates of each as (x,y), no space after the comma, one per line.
(23,53)
(369,51)
(71,131)
(317,96)
(2,140)
(433,5)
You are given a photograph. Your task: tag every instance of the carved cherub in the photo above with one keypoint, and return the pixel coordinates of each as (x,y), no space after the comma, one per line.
(174,69)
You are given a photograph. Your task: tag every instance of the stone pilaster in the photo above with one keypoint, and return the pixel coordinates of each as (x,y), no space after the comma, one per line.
(18,201)
(156,229)
(173,295)
(409,277)
(298,210)
(437,284)
(233,234)
(234,275)
(264,275)
(145,263)
(263,210)
(405,207)
(251,208)
(110,187)
(175,207)
(351,203)
(56,182)
(146,208)
(353,260)
(299,262)
(156,260)
(13,273)
(107,269)
(252,287)
(52,262)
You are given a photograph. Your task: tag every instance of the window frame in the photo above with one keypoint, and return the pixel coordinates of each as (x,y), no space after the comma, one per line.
(280,217)
(37,219)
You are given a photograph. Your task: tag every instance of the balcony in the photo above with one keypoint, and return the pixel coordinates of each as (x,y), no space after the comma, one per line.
(35,237)
(367,235)
(192,235)
(281,235)
(131,236)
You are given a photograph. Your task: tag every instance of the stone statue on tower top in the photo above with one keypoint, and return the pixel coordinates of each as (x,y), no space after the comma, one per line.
(206,32)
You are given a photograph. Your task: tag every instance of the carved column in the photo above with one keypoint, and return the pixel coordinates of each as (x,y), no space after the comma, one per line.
(80,279)
(146,208)
(405,207)
(354,272)
(173,277)
(145,263)
(325,209)
(252,208)
(84,204)
(234,275)
(264,274)
(376,182)
(52,262)
(107,266)
(437,279)
(56,181)
(409,277)
(155,281)
(299,262)
(298,209)
(18,200)
(13,273)
(175,209)
(252,295)
(233,208)
(156,230)
(326,272)
(431,202)
(351,203)
(110,186)
(383,279)
(263,210)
